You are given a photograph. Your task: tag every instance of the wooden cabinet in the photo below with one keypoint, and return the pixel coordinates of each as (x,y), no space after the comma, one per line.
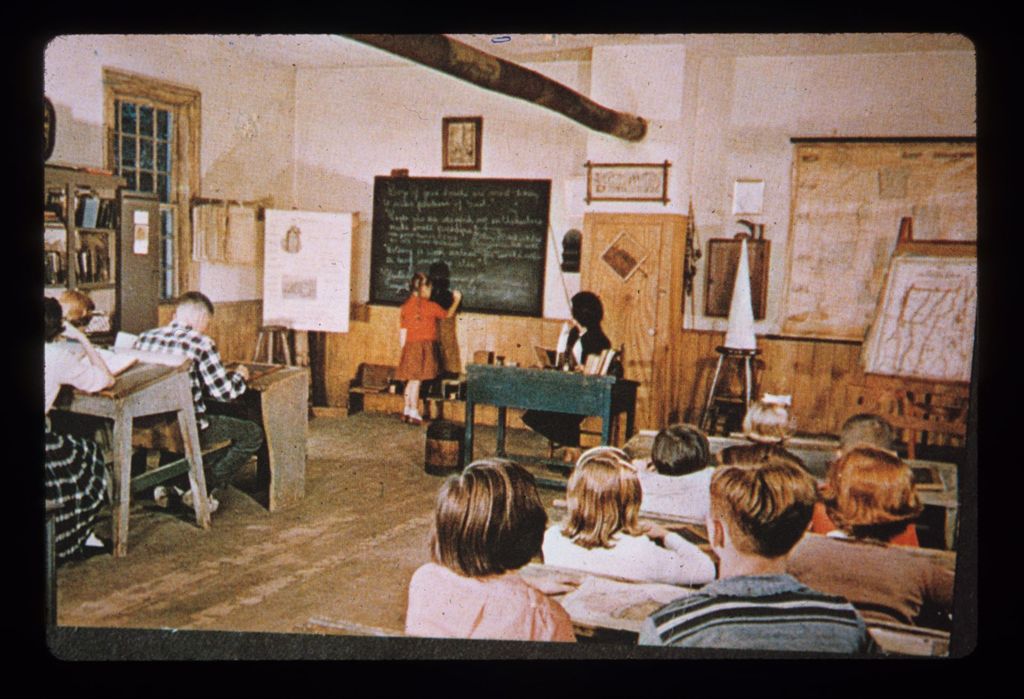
(104,240)
(634,263)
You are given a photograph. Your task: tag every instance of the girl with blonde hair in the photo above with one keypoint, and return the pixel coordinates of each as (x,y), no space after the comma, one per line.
(602,532)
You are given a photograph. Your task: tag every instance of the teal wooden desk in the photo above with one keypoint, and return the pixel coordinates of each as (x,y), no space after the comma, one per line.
(546,389)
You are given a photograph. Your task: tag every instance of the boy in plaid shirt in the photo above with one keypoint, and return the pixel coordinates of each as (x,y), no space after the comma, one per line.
(185,336)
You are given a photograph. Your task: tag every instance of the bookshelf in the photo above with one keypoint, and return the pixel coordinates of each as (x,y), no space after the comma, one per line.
(81,212)
(80,222)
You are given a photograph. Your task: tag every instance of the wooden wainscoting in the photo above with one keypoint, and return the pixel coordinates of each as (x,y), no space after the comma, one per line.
(817,373)
(373,338)
(234,327)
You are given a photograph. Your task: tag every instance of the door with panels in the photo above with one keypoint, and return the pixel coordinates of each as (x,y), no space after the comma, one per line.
(634,263)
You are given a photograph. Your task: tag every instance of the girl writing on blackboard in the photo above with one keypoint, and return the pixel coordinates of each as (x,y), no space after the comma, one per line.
(418,336)
(443,295)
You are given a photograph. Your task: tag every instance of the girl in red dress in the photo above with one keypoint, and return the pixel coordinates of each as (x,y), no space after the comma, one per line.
(418,336)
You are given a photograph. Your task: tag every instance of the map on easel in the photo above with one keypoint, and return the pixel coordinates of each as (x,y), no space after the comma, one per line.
(924,327)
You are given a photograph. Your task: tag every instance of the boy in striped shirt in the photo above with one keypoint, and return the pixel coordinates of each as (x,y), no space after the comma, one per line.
(757,515)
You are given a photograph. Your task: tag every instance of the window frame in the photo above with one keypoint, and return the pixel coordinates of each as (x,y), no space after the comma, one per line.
(184,104)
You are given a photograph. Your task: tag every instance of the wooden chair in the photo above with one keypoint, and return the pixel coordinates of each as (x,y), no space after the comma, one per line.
(50,546)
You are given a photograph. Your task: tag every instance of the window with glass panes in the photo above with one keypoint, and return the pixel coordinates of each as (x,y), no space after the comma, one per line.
(143,146)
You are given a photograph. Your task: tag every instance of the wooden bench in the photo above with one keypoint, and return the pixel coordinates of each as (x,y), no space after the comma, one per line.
(156,434)
(904,639)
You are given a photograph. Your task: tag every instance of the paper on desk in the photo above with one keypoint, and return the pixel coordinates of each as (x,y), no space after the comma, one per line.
(164,358)
(116,361)
(610,603)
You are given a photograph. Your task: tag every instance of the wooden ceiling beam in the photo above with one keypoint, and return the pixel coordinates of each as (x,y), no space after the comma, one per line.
(492,73)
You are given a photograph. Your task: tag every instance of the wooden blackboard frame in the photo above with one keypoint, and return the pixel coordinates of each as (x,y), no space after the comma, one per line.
(380,231)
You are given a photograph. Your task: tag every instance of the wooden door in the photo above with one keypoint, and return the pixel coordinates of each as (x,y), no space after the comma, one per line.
(139,265)
(633,262)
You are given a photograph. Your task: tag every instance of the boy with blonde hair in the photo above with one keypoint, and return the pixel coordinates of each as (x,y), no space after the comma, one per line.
(758,514)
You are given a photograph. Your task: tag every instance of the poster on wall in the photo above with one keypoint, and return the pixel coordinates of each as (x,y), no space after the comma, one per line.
(307,269)
(849,199)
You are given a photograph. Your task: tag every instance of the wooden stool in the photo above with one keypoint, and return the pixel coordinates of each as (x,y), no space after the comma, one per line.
(746,357)
(266,341)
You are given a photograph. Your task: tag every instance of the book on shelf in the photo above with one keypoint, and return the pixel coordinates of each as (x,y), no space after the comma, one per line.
(88,211)
(106,217)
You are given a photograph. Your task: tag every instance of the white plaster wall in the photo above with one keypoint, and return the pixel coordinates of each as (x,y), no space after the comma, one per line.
(355,124)
(315,139)
(645,81)
(247,118)
(748,108)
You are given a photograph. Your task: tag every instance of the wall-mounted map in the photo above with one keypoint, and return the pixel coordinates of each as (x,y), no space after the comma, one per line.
(925,323)
(848,200)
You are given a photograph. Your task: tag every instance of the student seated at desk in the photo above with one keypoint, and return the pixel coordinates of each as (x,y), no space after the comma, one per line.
(871,498)
(758,513)
(677,477)
(602,534)
(185,336)
(866,429)
(488,524)
(75,478)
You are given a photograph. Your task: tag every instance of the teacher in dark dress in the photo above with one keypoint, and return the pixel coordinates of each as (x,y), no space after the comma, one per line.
(585,338)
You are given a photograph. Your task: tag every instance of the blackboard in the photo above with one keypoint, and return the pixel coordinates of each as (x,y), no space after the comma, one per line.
(491,233)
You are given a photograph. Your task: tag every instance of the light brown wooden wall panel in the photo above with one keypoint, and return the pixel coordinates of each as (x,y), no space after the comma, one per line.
(234,327)
(375,341)
(817,373)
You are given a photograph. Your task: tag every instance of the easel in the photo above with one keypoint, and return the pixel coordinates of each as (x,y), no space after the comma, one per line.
(920,406)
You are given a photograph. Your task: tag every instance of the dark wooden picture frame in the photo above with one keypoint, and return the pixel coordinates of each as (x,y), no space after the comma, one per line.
(627,181)
(720,275)
(461,141)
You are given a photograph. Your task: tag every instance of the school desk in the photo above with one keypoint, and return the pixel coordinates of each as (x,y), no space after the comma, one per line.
(141,390)
(277,399)
(816,455)
(546,389)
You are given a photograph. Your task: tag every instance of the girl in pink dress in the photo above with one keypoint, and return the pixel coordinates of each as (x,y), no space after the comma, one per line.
(488,524)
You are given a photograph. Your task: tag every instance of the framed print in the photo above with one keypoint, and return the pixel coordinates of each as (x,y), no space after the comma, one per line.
(627,181)
(460,143)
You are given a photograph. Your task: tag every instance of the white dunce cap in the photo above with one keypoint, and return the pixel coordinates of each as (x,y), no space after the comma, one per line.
(741,310)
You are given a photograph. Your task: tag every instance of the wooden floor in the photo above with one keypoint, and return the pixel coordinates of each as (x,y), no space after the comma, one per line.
(337,563)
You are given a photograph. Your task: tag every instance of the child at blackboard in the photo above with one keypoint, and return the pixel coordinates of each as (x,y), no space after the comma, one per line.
(418,337)
(443,295)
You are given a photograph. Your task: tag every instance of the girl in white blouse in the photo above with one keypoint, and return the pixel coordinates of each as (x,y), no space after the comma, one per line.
(74,475)
(602,533)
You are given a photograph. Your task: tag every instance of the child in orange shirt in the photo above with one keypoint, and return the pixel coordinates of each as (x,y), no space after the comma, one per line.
(418,336)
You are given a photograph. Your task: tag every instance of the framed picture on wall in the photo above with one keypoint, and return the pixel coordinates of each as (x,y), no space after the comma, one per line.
(460,143)
(627,181)
(720,276)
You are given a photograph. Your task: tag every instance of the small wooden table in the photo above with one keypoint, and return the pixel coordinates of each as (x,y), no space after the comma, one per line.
(546,389)
(145,389)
